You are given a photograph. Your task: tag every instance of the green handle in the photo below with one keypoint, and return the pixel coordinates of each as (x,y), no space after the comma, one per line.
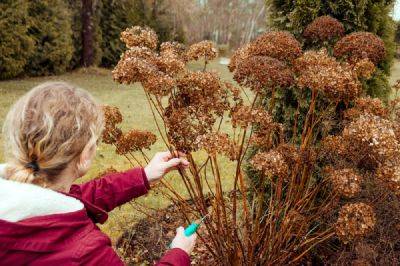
(191,229)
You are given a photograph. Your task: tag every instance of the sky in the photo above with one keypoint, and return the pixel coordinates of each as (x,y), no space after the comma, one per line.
(396,14)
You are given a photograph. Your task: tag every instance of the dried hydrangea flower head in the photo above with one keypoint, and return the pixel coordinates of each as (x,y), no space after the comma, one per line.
(203,49)
(271,163)
(367,105)
(171,60)
(135,140)
(139,36)
(389,172)
(320,72)
(135,65)
(174,48)
(364,68)
(111,134)
(372,136)
(185,125)
(244,116)
(200,98)
(112,117)
(202,90)
(242,53)
(281,45)
(263,73)
(159,84)
(324,28)
(333,146)
(355,221)
(346,182)
(219,143)
(361,45)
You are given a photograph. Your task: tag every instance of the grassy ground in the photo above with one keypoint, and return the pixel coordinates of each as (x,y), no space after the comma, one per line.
(132,102)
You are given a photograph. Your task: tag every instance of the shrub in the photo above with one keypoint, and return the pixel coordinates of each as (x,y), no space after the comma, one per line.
(15,44)
(313,184)
(51,31)
(371,16)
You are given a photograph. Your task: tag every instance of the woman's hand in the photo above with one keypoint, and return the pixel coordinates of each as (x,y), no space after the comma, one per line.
(183,242)
(161,164)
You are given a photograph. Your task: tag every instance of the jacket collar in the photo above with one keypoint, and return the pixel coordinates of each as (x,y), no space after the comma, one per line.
(20,201)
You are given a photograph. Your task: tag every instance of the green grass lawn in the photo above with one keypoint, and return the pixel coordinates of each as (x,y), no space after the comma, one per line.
(132,102)
(133,105)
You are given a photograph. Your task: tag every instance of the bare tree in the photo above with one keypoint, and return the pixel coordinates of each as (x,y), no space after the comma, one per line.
(230,22)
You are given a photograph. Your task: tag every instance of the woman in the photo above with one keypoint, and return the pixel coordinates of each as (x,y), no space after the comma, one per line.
(50,137)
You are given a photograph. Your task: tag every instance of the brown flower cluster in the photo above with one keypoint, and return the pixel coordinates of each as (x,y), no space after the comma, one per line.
(241,54)
(360,45)
(203,49)
(355,221)
(346,182)
(244,116)
(324,28)
(333,146)
(364,68)
(172,58)
(141,37)
(367,105)
(372,136)
(142,64)
(199,100)
(135,140)
(318,71)
(271,163)
(263,73)
(389,172)
(276,44)
(112,117)
(132,141)
(219,143)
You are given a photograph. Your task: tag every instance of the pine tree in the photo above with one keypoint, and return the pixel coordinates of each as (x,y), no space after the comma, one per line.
(51,30)
(15,44)
(116,16)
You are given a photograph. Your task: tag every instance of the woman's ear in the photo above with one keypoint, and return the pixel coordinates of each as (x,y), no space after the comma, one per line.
(86,158)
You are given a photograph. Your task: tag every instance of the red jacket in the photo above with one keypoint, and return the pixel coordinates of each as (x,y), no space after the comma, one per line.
(72,238)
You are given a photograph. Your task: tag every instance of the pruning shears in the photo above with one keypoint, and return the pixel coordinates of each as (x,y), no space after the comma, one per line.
(193,227)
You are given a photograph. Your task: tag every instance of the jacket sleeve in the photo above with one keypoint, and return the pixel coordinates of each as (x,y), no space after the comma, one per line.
(113,189)
(174,257)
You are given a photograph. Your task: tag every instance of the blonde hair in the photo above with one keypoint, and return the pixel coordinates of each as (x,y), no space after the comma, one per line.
(47,129)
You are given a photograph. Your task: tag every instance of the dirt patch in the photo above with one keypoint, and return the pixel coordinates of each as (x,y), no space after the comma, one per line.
(148,240)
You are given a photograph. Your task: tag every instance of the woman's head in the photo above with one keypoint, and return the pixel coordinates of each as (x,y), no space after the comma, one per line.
(53,127)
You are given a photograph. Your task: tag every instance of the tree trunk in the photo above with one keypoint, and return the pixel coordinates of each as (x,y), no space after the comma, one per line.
(87,33)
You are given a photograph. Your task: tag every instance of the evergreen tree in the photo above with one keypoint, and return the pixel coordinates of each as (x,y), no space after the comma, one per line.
(116,16)
(51,31)
(15,45)
(368,15)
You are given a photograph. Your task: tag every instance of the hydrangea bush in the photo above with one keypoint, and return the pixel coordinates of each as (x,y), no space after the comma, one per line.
(318,172)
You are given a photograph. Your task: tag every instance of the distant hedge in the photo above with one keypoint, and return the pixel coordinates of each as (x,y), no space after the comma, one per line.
(44,37)
(16,46)
(50,28)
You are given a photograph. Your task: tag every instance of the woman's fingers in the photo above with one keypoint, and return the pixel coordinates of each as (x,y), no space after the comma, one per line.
(166,156)
(176,162)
